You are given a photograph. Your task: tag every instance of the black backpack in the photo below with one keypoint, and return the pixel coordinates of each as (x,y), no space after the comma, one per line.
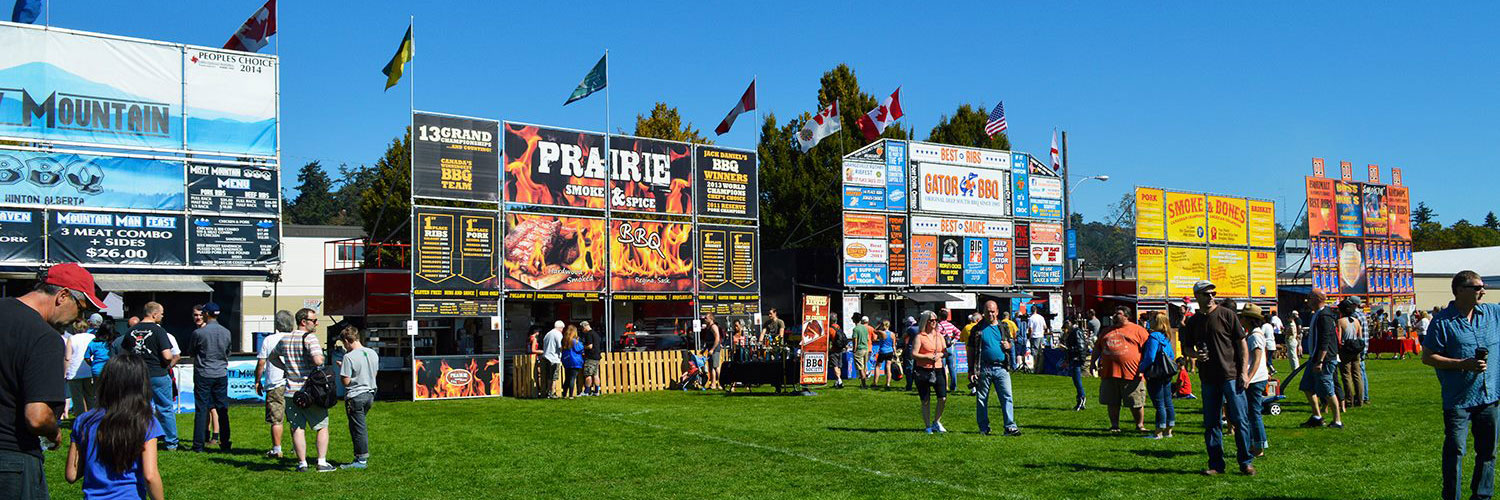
(318,391)
(1163,366)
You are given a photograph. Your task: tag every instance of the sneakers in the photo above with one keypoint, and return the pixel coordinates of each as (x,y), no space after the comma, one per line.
(938,427)
(1212,472)
(927,430)
(1248,470)
(355,465)
(273,454)
(326,468)
(301,467)
(1336,425)
(1313,422)
(1013,431)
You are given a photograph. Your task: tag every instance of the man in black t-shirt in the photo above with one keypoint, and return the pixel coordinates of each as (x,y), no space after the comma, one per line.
(148,340)
(593,345)
(31,376)
(1216,339)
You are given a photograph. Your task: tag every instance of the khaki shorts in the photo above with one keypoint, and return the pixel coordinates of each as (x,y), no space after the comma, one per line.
(862,361)
(307,418)
(276,405)
(1118,391)
(590,367)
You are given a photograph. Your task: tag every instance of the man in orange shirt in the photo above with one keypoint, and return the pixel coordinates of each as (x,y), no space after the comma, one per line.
(1117,357)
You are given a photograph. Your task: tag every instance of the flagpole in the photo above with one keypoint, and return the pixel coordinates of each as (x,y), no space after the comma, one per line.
(609,299)
(755,80)
(411,106)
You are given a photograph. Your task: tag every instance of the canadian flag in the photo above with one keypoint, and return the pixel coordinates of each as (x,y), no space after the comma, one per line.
(823,124)
(874,122)
(1056,165)
(256,32)
(747,103)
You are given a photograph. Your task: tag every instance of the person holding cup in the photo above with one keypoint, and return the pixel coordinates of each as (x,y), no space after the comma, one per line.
(1459,345)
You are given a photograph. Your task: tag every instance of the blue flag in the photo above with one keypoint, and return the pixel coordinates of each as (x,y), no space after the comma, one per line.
(26,11)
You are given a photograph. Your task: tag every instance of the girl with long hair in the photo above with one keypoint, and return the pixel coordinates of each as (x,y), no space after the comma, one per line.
(572,358)
(885,351)
(1160,389)
(927,353)
(113,447)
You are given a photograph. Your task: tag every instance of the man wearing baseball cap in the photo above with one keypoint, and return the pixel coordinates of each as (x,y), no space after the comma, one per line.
(31,385)
(1216,339)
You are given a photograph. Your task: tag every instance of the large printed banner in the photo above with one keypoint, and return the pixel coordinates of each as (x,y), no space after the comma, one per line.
(897,266)
(455,266)
(1150,214)
(454,377)
(1226,220)
(115,238)
(1399,200)
(234,189)
(1185,267)
(80,87)
(1046,192)
(552,252)
(1350,216)
(728,183)
(1350,267)
(1263,273)
(651,256)
(1020,185)
(455,157)
(1151,271)
(1186,216)
(1376,213)
(554,167)
(814,339)
(1261,223)
(923,259)
(958,251)
(1228,270)
(21,235)
(866,249)
(962,190)
(651,176)
(234,242)
(1322,211)
(728,257)
(85,181)
(1046,252)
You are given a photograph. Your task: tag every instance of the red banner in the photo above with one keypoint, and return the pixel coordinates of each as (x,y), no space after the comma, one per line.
(651,176)
(650,256)
(1398,199)
(814,340)
(1321,213)
(550,252)
(452,377)
(554,167)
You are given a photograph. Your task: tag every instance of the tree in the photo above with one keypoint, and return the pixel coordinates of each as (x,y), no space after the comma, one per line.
(1490,221)
(663,122)
(1423,214)
(352,182)
(314,202)
(385,208)
(966,128)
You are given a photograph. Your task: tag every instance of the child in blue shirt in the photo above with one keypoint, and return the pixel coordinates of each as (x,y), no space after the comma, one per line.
(113,447)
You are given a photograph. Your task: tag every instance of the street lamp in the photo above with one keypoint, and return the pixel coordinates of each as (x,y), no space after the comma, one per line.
(1100,178)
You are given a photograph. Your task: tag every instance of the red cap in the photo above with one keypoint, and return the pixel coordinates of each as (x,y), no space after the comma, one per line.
(74,277)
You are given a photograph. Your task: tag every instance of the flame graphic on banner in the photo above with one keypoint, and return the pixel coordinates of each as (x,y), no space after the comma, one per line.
(570,257)
(669,267)
(480,380)
(522,187)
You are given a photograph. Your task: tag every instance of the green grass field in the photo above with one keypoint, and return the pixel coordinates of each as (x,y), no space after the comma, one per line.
(842,443)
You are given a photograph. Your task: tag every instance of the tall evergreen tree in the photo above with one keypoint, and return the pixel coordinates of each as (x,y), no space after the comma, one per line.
(664,122)
(966,128)
(314,202)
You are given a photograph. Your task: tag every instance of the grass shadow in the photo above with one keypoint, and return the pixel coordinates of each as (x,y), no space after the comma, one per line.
(1105,468)
(868,430)
(255,466)
(1164,453)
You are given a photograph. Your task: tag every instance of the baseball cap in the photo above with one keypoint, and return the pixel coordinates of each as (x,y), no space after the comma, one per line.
(211,308)
(1204,286)
(1354,299)
(74,277)
(95,320)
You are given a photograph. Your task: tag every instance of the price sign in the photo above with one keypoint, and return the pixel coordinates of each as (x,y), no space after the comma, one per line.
(115,238)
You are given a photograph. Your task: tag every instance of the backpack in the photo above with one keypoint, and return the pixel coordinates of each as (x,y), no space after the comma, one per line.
(1162,367)
(318,391)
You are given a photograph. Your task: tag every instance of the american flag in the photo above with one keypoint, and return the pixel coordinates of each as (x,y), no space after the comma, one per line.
(997,120)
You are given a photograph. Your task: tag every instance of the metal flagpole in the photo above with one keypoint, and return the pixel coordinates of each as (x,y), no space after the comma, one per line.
(411,107)
(609,297)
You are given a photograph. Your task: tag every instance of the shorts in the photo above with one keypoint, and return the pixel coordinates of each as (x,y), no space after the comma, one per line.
(590,367)
(884,356)
(276,405)
(929,379)
(314,418)
(1118,391)
(714,357)
(861,361)
(1319,382)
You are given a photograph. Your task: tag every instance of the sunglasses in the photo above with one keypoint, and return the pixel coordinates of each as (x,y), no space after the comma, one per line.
(1475,288)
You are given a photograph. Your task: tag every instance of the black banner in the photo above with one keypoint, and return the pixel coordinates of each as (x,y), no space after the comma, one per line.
(552,167)
(649,175)
(233,189)
(896,250)
(456,272)
(727,183)
(115,238)
(455,157)
(234,242)
(728,258)
(1022,272)
(950,267)
(451,377)
(728,306)
(21,232)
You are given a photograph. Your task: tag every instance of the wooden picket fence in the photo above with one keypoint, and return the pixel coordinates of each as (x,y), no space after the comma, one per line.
(618,372)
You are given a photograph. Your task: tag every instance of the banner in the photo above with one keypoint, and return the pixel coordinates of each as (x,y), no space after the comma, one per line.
(1226,220)
(1022,266)
(727,182)
(1376,215)
(861,173)
(230,100)
(1020,185)
(962,190)
(866,253)
(897,267)
(1151,271)
(1227,269)
(1046,275)
(1399,201)
(1263,274)
(1350,269)
(1261,225)
(554,167)
(72,181)
(1185,267)
(21,235)
(455,272)
(234,242)
(954,226)
(814,339)
(923,259)
(552,252)
(1150,214)
(115,238)
(1046,233)
(895,175)
(1350,216)
(1186,217)
(976,263)
(648,175)
(1321,207)
(728,257)
(1001,262)
(728,306)
(241,381)
(1046,197)
(651,256)
(454,377)
(950,261)
(234,189)
(922,152)
(455,157)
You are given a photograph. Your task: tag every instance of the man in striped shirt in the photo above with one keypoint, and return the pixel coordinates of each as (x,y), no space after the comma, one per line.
(950,335)
(299,354)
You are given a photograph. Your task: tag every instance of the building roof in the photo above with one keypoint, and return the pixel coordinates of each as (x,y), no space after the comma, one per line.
(1482,260)
(332,232)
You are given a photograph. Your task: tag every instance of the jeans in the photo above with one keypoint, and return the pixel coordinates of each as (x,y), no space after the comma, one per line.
(21,476)
(210,393)
(949,360)
(907,363)
(1220,398)
(996,376)
(166,409)
(570,382)
(356,408)
(1364,380)
(1161,398)
(1255,397)
(1075,370)
(1456,422)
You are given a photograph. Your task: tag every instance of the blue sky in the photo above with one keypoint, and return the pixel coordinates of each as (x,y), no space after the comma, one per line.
(1232,99)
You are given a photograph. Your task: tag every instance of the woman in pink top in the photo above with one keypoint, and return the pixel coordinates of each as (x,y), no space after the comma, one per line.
(927,355)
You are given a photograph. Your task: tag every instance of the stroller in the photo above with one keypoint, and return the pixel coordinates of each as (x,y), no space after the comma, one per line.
(695,377)
(1272,404)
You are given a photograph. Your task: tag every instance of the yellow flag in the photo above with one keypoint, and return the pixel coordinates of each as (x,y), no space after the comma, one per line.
(397,65)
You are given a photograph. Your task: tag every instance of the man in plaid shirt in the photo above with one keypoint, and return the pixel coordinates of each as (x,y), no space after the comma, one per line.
(950,335)
(299,354)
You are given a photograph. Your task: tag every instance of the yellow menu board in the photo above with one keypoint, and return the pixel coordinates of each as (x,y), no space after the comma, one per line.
(1185,218)
(1227,269)
(1226,221)
(1151,271)
(1263,273)
(1185,266)
(1262,223)
(1150,214)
